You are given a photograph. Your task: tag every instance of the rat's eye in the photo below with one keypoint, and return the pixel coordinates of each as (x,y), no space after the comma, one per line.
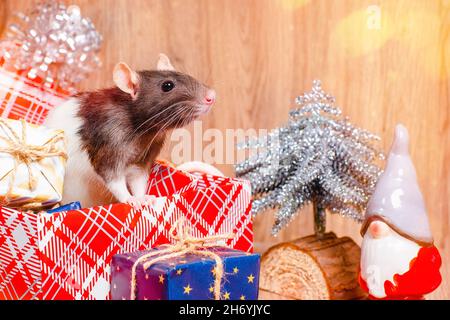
(167,86)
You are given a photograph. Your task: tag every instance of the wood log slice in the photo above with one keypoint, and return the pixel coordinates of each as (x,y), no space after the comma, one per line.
(313,268)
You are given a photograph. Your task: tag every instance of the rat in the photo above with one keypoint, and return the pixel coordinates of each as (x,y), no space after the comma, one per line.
(114,135)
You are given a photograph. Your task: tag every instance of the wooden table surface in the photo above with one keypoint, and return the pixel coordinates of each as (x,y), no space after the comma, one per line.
(385,61)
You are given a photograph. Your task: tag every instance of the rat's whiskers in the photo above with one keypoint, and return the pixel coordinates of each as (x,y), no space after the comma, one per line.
(167,118)
(169,122)
(153,117)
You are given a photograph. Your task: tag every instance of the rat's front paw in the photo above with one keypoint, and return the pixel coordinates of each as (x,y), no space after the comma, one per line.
(134,202)
(139,202)
(149,200)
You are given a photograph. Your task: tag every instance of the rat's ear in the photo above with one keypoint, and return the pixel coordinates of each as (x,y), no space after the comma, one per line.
(126,79)
(164,63)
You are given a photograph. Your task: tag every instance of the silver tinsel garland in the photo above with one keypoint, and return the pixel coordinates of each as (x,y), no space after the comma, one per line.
(54,43)
(318,157)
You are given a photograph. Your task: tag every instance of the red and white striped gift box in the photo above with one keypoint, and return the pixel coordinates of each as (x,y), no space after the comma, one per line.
(67,255)
(23,98)
(213,204)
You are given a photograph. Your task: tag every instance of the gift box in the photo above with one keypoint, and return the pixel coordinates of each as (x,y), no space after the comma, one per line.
(70,206)
(32,164)
(23,98)
(67,255)
(212,204)
(188,277)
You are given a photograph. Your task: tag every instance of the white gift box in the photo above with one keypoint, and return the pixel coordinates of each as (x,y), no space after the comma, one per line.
(32,177)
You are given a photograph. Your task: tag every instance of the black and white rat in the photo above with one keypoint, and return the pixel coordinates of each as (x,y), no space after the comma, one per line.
(115,134)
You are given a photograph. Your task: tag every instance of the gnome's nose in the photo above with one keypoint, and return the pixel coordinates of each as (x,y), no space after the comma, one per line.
(378,229)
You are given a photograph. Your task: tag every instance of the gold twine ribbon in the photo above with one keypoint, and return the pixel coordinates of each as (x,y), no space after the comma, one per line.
(185,244)
(25,153)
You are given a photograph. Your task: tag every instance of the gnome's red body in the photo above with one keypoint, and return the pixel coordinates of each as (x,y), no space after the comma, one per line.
(398,253)
(423,277)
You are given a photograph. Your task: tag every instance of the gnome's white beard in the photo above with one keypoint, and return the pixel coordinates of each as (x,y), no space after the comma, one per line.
(382,258)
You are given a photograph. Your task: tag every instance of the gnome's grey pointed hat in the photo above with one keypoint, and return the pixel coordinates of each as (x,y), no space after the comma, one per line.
(397,199)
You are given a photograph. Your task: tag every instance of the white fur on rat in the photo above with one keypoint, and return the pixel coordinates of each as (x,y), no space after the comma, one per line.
(81,182)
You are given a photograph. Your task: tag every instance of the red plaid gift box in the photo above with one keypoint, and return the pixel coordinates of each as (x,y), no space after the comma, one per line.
(214,205)
(22,98)
(67,255)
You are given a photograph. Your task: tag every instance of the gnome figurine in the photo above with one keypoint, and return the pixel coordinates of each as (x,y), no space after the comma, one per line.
(398,258)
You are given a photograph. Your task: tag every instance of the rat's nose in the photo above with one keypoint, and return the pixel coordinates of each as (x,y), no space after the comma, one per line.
(210,97)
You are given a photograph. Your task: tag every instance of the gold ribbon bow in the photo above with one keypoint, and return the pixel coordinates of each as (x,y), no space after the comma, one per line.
(22,152)
(185,244)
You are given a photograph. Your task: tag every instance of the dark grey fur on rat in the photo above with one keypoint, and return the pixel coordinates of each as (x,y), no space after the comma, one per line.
(118,131)
(121,130)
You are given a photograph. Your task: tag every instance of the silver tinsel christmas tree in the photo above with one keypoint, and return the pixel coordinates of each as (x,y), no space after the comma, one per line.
(318,157)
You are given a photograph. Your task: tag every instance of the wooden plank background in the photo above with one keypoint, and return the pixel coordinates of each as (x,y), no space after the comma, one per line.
(385,61)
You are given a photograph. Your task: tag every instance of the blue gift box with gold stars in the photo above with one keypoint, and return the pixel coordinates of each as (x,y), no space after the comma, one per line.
(189,277)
